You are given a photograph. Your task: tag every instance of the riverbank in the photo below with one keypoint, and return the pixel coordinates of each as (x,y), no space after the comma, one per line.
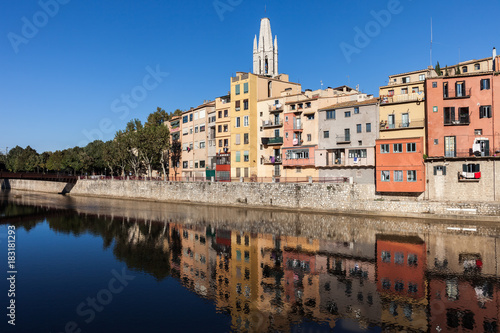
(353,199)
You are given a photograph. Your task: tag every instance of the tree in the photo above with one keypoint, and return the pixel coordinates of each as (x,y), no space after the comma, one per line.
(446,71)
(19,159)
(438,69)
(177,112)
(54,162)
(93,157)
(132,139)
(175,155)
(457,70)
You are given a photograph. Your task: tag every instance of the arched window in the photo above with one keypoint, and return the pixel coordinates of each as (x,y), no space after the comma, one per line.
(464,69)
(269,88)
(266,68)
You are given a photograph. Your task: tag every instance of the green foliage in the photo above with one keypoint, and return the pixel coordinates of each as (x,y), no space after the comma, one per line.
(446,71)
(438,69)
(457,70)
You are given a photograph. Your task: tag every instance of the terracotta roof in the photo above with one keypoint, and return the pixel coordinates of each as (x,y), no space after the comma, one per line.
(350,103)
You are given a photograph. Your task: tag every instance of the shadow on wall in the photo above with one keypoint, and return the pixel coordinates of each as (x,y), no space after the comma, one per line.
(67,188)
(4,184)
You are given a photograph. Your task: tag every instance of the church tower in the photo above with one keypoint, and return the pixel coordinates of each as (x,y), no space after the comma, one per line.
(265,52)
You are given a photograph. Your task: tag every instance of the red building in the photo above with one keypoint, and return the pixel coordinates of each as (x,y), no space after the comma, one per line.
(460,112)
(400,165)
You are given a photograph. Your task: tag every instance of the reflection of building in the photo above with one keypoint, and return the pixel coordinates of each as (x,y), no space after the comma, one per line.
(401,281)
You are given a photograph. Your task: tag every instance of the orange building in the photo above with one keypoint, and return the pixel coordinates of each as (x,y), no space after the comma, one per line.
(400,165)
(460,115)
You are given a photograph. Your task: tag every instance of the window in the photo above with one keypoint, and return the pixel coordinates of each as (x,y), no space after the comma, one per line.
(298,169)
(384,148)
(185,131)
(477,67)
(219,114)
(414,90)
(237,106)
(237,139)
(330,114)
(238,122)
(196,129)
(463,114)
(357,153)
(326,134)
(385,176)
(464,69)
(347,114)
(358,128)
(292,107)
(245,87)
(411,147)
(226,113)
(310,117)
(406,79)
(397,148)
(202,128)
(226,128)
(399,258)
(245,121)
(191,117)
(449,115)
(368,127)
(421,77)
(434,109)
(308,137)
(485,111)
(470,168)
(485,84)
(404,91)
(412,259)
(245,172)
(237,156)
(386,256)
(460,89)
(434,84)
(391,92)
(220,143)
(185,119)
(237,89)
(445,89)
(191,130)
(196,115)
(245,139)
(185,164)
(202,144)
(246,157)
(245,104)
(219,129)
(196,164)
(238,174)
(450,146)
(202,114)
(356,110)
(478,132)
(226,142)
(398,175)
(411,175)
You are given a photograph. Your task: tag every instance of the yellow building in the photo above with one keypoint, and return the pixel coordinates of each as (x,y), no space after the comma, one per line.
(246,90)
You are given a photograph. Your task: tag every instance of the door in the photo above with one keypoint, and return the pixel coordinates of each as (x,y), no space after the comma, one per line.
(405,120)
(390,121)
(450,146)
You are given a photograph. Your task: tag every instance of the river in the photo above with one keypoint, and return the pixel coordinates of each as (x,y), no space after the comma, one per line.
(103,265)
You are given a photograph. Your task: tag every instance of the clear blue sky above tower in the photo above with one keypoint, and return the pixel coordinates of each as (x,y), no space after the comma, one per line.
(66,82)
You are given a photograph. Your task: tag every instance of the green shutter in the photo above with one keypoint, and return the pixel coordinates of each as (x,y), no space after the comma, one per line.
(444,171)
(237,89)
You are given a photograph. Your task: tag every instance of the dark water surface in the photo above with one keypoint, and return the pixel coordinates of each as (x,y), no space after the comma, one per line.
(96,265)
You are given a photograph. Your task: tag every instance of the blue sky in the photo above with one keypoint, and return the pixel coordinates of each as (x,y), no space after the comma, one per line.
(65,81)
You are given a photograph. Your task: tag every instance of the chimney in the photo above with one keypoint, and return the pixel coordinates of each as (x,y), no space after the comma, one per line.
(494,59)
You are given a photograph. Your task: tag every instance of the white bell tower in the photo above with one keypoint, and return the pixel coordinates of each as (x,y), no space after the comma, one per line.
(265,52)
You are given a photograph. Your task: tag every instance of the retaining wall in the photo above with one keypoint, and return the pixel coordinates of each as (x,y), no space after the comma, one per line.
(347,198)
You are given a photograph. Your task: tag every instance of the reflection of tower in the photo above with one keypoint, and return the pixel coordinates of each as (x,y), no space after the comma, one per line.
(265,53)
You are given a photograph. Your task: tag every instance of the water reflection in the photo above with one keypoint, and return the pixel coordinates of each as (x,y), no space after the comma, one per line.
(271,270)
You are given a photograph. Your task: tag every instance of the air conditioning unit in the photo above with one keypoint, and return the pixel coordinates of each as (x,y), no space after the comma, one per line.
(267,122)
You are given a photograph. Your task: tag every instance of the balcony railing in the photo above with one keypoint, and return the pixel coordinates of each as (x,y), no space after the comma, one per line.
(298,161)
(387,99)
(272,141)
(452,93)
(276,108)
(344,139)
(271,123)
(384,126)
(298,126)
(462,120)
(271,160)
(211,143)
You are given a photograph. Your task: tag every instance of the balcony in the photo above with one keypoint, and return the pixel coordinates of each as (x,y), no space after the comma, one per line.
(298,161)
(276,108)
(271,123)
(343,139)
(454,94)
(271,160)
(390,99)
(463,120)
(418,123)
(298,126)
(272,141)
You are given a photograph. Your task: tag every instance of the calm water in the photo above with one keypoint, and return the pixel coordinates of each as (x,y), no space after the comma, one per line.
(94,265)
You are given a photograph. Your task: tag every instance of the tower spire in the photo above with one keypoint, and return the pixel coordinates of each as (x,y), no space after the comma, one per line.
(265,55)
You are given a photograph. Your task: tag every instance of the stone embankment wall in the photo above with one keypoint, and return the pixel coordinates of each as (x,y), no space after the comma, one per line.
(346,198)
